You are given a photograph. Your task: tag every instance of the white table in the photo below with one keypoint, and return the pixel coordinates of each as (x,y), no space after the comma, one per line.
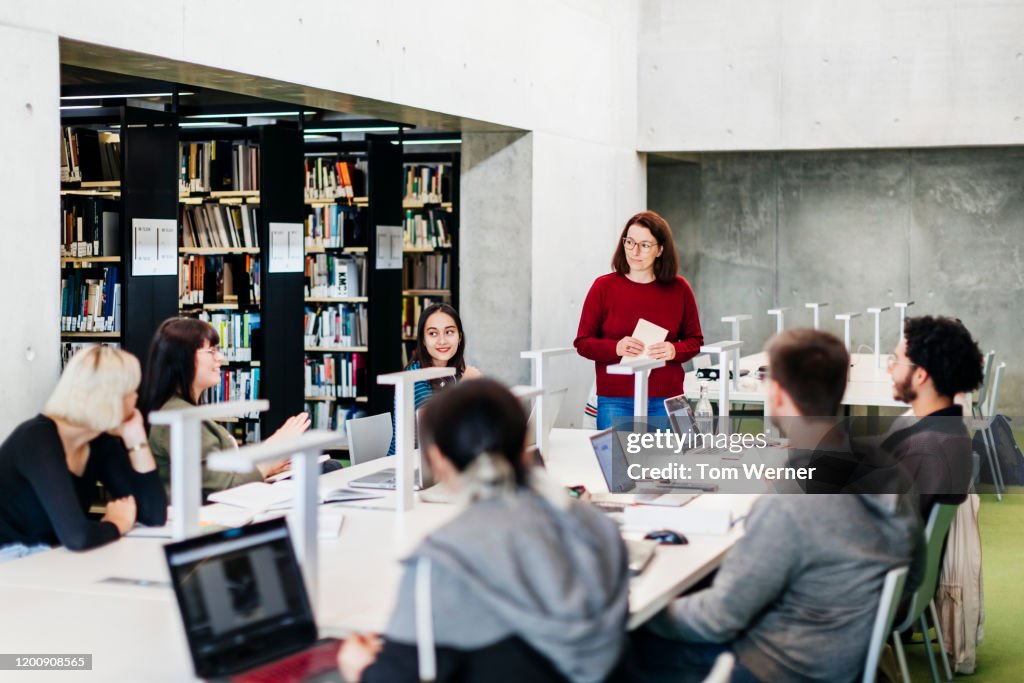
(868,385)
(62,602)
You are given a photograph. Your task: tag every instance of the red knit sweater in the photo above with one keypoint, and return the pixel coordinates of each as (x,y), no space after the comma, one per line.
(612,308)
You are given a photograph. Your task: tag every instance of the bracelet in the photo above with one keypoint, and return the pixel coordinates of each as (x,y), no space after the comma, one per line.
(139,446)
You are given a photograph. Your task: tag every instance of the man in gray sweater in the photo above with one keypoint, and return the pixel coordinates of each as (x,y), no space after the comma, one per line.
(796,597)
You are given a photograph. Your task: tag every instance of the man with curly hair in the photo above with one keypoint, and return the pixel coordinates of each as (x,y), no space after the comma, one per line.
(936,360)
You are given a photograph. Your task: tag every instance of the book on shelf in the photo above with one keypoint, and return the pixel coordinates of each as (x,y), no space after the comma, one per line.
(331,178)
(428,183)
(412,308)
(218,279)
(70,348)
(427,271)
(334,275)
(70,172)
(98,155)
(341,375)
(239,333)
(336,325)
(332,226)
(90,299)
(236,384)
(218,166)
(425,230)
(332,416)
(220,226)
(89,226)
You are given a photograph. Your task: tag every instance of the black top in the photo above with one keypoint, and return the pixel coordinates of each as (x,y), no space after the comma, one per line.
(41,501)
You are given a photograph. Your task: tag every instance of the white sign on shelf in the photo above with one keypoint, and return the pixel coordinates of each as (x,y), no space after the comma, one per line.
(389,247)
(154,246)
(286,248)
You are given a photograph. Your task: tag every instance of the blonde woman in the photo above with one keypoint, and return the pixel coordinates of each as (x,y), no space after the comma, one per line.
(90,431)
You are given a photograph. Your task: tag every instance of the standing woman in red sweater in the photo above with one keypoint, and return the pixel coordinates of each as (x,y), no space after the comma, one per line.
(645,284)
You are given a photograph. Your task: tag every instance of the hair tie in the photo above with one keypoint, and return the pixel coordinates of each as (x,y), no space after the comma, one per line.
(488,476)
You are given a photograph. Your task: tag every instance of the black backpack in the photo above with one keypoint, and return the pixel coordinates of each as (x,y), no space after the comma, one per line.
(1011,461)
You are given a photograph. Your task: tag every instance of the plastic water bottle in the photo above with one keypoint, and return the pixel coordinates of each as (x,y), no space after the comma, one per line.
(703,413)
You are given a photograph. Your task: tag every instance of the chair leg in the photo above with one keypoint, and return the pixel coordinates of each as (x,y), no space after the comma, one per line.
(928,647)
(993,463)
(942,642)
(901,657)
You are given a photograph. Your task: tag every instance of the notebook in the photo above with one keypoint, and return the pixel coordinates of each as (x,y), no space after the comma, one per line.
(244,606)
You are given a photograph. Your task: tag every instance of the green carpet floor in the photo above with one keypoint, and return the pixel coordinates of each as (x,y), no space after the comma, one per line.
(1001,654)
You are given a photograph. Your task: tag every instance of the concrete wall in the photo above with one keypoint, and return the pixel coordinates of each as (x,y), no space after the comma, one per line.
(29,193)
(804,74)
(943,227)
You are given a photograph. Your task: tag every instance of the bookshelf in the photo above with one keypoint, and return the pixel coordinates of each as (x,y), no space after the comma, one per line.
(430,235)
(230,189)
(350,188)
(116,170)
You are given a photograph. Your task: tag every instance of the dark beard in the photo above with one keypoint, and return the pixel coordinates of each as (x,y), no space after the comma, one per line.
(905,390)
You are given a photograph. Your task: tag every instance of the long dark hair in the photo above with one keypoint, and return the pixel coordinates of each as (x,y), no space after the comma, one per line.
(666,266)
(422,356)
(473,418)
(171,364)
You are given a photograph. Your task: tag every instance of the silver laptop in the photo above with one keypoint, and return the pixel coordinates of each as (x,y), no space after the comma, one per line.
(386,479)
(681,417)
(612,460)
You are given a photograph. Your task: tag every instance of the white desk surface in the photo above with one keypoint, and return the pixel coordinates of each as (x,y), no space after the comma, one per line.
(868,385)
(57,601)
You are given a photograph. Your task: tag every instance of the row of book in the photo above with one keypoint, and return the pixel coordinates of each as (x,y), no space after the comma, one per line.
(236,384)
(233,278)
(329,178)
(331,416)
(89,155)
(336,375)
(239,333)
(412,307)
(426,230)
(427,183)
(218,166)
(89,226)
(90,300)
(427,271)
(329,275)
(332,226)
(220,226)
(336,325)
(70,348)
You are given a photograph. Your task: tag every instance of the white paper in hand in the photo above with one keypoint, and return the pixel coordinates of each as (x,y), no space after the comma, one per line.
(648,333)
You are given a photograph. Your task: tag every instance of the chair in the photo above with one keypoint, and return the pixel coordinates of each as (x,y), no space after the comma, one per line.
(988,411)
(935,531)
(978,408)
(369,438)
(722,670)
(892,589)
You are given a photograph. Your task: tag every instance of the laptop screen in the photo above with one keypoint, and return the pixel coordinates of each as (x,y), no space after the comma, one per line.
(241,597)
(680,414)
(612,461)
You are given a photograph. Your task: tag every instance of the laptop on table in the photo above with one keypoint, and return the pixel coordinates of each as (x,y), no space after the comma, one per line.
(611,458)
(245,609)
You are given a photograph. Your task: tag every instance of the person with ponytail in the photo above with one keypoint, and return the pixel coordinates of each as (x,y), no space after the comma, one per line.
(524,583)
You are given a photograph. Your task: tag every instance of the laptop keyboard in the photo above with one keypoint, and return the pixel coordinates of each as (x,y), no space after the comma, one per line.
(297,667)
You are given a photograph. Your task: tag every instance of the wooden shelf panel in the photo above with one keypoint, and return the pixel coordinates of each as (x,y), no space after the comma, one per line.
(426,292)
(337,349)
(218,250)
(67,260)
(416,204)
(91,335)
(337,299)
(357,399)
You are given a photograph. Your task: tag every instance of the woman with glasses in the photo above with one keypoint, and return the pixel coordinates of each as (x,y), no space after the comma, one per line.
(89,432)
(184,361)
(644,285)
(440,342)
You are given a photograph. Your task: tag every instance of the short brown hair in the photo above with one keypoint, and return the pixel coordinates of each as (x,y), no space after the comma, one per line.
(812,367)
(666,266)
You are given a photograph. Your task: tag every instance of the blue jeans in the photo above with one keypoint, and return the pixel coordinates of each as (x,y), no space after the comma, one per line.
(611,407)
(662,660)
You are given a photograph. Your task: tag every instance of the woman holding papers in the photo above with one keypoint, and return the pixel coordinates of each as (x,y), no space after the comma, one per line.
(89,432)
(440,342)
(524,584)
(643,309)
(184,361)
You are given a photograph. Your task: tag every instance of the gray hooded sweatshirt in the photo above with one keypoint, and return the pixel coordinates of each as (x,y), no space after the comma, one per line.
(797,596)
(553,574)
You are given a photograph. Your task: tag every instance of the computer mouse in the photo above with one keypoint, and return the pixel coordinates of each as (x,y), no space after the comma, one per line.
(666,537)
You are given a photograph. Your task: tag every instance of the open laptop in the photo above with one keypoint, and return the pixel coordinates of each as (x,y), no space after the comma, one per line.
(683,421)
(612,460)
(244,607)
(387,478)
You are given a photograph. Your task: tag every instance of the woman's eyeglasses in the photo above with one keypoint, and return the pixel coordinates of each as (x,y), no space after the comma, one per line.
(645,247)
